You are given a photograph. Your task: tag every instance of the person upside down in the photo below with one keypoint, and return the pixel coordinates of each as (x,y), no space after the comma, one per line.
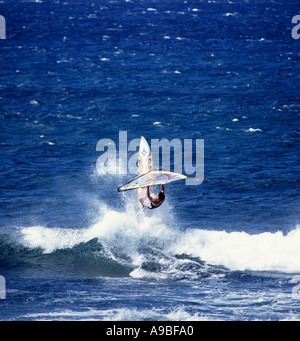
(154,202)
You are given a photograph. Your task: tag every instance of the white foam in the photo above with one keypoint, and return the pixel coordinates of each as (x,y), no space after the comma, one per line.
(123,233)
(123,230)
(139,273)
(180,314)
(66,314)
(177,314)
(228,14)
(50,239)
(242,251)
(253,130)
(34,102)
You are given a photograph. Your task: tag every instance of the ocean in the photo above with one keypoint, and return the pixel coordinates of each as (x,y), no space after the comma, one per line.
(74,72)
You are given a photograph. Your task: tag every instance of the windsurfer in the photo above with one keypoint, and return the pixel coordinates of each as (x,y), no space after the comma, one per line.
(156,201)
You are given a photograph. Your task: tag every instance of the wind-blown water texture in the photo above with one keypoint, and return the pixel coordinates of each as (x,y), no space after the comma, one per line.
(75,72)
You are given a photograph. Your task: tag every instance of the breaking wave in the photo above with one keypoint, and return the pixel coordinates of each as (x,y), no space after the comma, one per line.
(152,246)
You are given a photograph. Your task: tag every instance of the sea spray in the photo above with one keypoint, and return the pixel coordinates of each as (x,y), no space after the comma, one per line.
(152,246)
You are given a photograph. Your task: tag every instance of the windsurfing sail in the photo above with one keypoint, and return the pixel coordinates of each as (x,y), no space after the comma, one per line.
(145,157)
(145,165)
(152,178)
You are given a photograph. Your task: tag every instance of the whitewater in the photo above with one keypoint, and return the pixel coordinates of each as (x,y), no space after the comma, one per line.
(131,237)
(242,275)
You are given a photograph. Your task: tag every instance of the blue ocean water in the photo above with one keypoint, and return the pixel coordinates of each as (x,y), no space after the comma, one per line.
(75,72)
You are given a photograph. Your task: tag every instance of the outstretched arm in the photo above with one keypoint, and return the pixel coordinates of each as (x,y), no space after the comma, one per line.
(148,194)
(162,188)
